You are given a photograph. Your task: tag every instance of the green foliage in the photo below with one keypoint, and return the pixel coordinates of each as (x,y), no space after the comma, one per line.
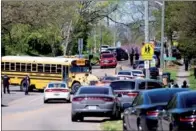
(40,27)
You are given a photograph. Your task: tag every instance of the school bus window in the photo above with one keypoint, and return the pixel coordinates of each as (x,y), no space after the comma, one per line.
(2,66)
(23,67)
(40,68)
(7,66)
(53,68)
(28,67)
(47,68)
(17,66)
(13,66)
(34,67)
(58,68)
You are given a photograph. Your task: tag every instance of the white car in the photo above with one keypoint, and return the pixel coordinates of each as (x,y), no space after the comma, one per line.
(57,91)
(131,73)
(104,48)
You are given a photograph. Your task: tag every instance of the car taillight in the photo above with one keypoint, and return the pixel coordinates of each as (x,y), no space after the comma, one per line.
(132,94)
(152,113)
(48,90)
(65,90)
(190,119)
(77,99)
(107,99)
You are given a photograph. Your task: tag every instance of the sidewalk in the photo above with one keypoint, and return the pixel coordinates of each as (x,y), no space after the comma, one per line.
(182,75)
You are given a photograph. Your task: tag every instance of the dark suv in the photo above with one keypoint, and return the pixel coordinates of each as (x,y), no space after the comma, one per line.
(119,52)
(127,90)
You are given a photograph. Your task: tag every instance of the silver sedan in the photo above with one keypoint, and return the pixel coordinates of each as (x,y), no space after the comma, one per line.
(91,101)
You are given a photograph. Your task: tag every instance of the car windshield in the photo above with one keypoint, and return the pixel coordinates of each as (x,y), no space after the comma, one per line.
(124,73)
(190,101)
(56,85)
(79,69)
(137,72)
(94,90)
(123,85)
(108,56)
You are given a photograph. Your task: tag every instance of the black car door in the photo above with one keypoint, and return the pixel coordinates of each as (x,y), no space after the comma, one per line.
(166,115)
(134,113)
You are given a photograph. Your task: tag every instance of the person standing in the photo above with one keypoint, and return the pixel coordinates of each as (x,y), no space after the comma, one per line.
(131,55)
(136,54)
(186,63)
(184,85)
(6,84)
(27,84)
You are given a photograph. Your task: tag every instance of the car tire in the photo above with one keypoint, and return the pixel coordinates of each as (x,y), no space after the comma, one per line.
(81,118)
(74,118)
(75,87)
(45,101)
(69,100)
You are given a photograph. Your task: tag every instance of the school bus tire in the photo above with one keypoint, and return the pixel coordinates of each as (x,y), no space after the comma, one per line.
(21,85)
(75,86)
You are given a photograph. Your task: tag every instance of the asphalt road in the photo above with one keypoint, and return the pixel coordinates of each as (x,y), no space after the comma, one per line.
(22,112)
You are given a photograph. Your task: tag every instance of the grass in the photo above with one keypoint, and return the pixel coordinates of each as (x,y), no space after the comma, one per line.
(173,71)
(112,126)
(192,80)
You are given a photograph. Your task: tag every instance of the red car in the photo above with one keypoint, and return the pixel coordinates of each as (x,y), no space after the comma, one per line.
(108,60)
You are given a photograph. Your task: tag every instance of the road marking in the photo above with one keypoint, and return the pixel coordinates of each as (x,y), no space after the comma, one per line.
(35,100)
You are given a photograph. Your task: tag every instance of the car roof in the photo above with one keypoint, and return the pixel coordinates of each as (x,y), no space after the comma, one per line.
(94,86)
(182,94)
(60,82)
(164,89)
(136,70)
(125,71)
(139,80)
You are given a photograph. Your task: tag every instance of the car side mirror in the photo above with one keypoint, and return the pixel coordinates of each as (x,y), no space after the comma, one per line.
(127,105)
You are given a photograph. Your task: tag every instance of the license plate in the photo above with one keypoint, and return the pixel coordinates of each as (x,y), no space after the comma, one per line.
(56,94)
(92,107)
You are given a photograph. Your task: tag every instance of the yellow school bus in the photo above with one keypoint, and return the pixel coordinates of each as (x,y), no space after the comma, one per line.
(41,70)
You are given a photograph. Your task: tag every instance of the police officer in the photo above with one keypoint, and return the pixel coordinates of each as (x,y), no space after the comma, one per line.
(27,84)
(6,84)
(137,56)
(131,55)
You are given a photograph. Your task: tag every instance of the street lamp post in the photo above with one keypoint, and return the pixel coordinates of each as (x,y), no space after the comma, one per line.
(162,34)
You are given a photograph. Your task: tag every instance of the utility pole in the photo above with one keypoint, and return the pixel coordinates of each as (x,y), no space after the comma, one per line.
(162,37)
(67,38)
(146,32)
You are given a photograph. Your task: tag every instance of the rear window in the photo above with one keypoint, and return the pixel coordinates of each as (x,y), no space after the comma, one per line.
(94,90)
(56,85)
(136,73)
(124,73)
(189,101)
(123,85)
(150,85)
(139,62)
(104,46)
(108,56)
(111,78)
